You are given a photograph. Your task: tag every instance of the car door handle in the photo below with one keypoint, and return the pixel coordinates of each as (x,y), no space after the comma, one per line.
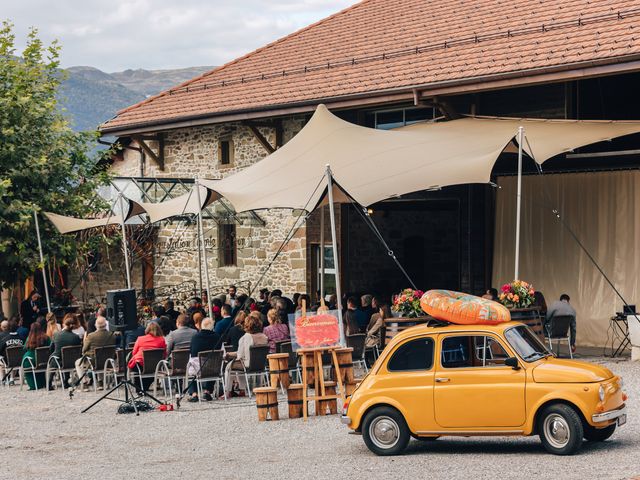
(442,380)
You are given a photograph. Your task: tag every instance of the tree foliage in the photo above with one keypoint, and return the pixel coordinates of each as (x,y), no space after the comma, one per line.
(44,164)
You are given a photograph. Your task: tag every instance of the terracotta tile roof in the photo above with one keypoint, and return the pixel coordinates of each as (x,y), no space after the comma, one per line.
(381,45)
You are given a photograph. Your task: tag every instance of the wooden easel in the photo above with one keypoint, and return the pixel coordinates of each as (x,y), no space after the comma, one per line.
(319,393)
(318,373)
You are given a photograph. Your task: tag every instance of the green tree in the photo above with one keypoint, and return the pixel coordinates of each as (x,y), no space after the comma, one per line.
(44,164)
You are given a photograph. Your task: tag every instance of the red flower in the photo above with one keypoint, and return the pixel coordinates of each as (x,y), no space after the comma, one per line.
(506,288)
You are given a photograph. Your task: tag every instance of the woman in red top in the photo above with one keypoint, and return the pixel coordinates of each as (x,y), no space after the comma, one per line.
(151,339)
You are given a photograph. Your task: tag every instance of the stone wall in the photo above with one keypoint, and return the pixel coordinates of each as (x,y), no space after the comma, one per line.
(193,152)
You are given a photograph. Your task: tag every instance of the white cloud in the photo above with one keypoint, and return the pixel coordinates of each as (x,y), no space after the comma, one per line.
(122,34)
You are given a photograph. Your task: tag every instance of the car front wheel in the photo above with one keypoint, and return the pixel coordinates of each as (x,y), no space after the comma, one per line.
(593,434)
(560,430)
(385,431)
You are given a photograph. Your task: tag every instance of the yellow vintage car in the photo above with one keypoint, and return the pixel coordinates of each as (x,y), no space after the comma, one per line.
(469,380)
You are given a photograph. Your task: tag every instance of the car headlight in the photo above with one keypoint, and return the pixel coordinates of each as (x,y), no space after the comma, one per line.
(601,393)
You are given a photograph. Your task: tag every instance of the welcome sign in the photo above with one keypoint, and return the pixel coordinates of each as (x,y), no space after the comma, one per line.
(315,330)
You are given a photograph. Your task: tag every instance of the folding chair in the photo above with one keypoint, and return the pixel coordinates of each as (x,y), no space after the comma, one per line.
(150,360)
(257,366)
(100,363)
(356,341)
(11,360)
(34,367)
(558,328)
(116,367)
(172,369)
(62,366)
(211,370)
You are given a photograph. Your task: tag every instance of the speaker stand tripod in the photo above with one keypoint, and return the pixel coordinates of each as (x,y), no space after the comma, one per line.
(130,395)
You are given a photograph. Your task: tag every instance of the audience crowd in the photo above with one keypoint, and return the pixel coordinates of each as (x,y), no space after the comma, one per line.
(236,323)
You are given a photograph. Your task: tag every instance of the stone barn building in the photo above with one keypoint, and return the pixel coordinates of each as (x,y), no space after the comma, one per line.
(381,64)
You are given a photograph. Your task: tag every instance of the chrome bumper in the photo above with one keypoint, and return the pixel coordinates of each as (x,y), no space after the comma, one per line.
(610,415)
(346,420)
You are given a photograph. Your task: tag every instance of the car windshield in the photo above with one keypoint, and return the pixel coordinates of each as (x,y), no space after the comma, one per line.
(526,343)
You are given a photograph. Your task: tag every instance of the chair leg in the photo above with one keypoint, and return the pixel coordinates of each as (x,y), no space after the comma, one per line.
(246,379)
(569,345)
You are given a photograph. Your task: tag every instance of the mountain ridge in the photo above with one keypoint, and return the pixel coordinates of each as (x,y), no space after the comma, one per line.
(90,96)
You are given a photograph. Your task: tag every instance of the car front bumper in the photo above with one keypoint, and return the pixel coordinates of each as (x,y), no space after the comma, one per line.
(610,415)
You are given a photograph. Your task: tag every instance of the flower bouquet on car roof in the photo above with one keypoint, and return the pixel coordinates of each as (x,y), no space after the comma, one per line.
(517,294)
(407,303)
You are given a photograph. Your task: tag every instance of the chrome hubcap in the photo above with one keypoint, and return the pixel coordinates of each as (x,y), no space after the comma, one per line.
(384,432)
(556,430)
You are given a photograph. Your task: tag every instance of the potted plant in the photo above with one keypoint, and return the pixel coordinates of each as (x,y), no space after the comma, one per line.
(407,303)
(518,297)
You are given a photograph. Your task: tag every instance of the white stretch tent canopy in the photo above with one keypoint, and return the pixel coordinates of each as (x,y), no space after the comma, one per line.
(182,205)
(373,165)
(72,224)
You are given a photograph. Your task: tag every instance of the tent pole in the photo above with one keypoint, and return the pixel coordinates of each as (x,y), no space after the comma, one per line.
(44,272)
(334,241)
(124,241)
(199,262)
(203,249)
(518,203)
(321,253)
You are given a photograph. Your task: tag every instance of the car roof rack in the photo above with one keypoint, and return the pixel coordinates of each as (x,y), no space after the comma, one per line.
(434,322)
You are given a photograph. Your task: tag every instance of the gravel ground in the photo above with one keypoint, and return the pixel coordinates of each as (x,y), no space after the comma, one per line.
(44,435)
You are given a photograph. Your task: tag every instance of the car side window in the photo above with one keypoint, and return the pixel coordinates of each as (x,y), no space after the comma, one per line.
(414,355)
(465,351)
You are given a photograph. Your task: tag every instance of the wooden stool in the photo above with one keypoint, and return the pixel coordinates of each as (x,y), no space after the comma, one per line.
(319,385)
(330,404)
(279,370)
(267,402)
(294,399)
(345,362)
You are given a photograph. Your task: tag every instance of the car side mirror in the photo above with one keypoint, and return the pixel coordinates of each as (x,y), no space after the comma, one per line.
(512,362)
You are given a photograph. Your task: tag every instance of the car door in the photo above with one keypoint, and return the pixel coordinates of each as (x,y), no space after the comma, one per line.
(407,380)
(473,388)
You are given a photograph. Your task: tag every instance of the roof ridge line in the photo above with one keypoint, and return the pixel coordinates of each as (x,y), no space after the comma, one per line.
(242,57)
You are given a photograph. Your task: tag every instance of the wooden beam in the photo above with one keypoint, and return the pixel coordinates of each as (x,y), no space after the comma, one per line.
(263,141)
(279,133)
(446,108)
(159,159)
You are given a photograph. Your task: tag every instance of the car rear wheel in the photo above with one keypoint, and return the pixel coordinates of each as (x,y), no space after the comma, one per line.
(560,430)
(385,431)
(593,434)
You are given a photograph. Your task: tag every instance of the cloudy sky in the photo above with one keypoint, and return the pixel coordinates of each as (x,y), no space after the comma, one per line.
(115,35)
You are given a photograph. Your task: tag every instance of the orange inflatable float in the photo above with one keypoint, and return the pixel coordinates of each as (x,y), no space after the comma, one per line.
(463,309)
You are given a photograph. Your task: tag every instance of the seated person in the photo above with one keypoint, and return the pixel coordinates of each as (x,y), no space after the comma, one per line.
(374,329)
(131,336)
(152,339)
(276,331)
(563,308)
(225,322)
(181,337)
(37,338)
(202,341)
(235,333)
(100,338)
(66,337)
(241,358)
(9,339)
